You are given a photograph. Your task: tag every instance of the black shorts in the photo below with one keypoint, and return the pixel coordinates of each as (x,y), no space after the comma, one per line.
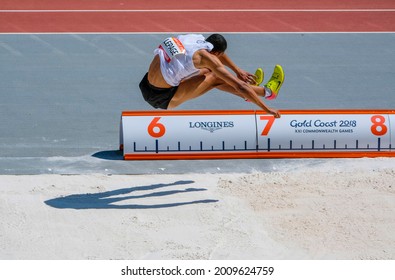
(156,97)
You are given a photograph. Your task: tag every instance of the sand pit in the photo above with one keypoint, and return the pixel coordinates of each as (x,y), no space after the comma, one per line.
(330,209)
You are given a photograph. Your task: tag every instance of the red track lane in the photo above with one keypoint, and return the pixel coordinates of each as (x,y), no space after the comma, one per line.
(195,21)
(198,22)
(193,4)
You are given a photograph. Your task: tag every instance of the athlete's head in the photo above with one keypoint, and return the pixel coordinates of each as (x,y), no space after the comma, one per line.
(218,42)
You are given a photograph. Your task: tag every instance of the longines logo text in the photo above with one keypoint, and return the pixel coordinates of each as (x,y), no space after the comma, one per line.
(211,126)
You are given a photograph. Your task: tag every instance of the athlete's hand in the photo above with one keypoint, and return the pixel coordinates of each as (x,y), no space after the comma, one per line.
(275,113)
(246,77)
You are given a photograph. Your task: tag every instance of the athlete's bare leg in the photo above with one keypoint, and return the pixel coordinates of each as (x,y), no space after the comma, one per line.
(192,88)
(199,85)
(225,87)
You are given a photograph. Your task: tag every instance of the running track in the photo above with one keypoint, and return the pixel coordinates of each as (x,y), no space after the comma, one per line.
(46,16)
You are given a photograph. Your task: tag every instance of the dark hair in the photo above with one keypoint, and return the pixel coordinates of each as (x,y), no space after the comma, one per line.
(218,42)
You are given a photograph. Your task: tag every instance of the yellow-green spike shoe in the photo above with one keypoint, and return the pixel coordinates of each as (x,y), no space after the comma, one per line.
(259,76)
(275,82)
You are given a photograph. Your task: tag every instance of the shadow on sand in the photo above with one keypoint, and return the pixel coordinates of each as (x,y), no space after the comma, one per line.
(109,155)
(105,200)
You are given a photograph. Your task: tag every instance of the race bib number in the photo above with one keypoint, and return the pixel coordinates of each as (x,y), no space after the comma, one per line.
(172,47)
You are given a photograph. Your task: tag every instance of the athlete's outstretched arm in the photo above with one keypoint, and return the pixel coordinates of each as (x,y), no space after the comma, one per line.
(241,74)
(203,59)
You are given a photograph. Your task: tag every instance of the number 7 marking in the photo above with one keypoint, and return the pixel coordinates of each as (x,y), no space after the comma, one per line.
(268,126)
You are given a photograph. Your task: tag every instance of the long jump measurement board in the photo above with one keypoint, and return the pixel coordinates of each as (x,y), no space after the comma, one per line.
(157,135)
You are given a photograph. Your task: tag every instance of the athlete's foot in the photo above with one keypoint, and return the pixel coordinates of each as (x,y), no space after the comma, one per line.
(272,87)
(259,76)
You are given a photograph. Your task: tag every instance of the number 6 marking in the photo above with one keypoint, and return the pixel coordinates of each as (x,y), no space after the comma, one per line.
(156,129)
(378,122)
(270,121)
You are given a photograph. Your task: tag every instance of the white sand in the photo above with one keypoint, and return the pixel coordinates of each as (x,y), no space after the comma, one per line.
(335,209)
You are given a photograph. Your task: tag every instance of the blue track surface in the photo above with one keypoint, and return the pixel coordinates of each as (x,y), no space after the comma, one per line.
(61,95)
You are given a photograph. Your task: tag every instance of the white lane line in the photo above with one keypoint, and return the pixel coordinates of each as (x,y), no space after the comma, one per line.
(201,10)
(202,32)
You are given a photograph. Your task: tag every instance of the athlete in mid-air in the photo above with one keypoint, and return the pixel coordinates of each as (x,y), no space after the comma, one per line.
(188,66)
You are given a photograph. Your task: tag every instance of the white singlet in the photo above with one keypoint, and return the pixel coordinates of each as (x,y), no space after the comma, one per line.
(176,61)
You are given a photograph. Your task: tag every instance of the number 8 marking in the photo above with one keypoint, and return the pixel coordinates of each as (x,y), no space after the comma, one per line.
(378,122)
(156,129)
